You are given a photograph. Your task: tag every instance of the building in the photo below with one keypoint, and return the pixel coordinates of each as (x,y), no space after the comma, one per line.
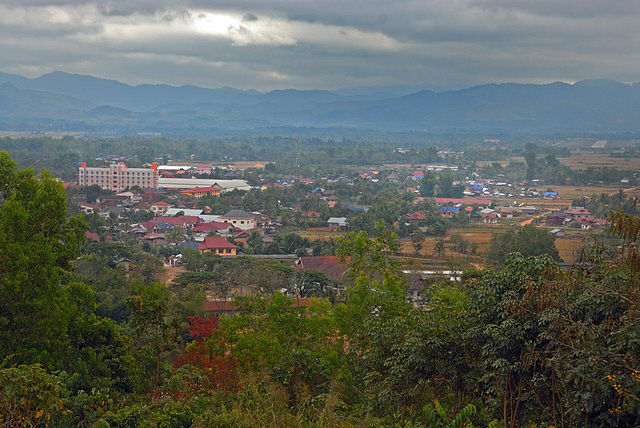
(240,219)
(200,192)
(118,177)
(218,245)
(416,216)
(449,212)
(202,169)
(159,208)
(337,223)
(189,183)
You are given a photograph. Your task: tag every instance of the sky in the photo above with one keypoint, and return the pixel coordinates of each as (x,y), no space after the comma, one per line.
(323,44)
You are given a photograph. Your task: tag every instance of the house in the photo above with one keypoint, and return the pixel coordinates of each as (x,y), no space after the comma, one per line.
(240,219)
(200,192)
(88,208)
(218,245)
(490,218)
(578,212)
(558,233)
(214,227)
(449,212)
(592,223)
(417,175)
(156,238)
(159,208)
(337,223)
(202,169)
(416,216)
(557,218)
(509,211)
(550,195)
(183,221)
(529,209)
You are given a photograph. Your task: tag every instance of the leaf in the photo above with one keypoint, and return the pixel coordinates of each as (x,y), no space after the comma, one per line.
(39,414)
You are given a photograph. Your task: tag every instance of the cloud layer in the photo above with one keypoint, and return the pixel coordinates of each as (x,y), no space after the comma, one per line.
(323,44)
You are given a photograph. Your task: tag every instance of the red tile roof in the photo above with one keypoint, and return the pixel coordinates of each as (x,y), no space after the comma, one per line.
(183,219)
(161,204)
(416,216)
(215,242)
(92,236)
(213,226)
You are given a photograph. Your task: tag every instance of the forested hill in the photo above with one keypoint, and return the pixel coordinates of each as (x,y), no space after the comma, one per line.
(590,105)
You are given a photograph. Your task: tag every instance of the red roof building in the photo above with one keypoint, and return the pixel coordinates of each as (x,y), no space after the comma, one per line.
(218,245)
(416,216)
(213,226)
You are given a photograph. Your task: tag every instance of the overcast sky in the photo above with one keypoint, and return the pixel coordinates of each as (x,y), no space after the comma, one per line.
(327,44)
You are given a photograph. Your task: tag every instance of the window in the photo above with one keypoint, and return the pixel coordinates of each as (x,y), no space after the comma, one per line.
(228,251)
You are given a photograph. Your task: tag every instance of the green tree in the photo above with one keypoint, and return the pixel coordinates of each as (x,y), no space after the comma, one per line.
(37,243)
(29,396)
(528,241)
(429,182)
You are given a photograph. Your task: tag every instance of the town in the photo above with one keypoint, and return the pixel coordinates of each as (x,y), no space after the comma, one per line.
(447,216)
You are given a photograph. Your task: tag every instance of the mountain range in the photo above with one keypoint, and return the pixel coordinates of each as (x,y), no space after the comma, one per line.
(64,101)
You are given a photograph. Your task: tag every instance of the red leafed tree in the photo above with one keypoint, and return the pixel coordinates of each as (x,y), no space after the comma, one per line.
(209,357)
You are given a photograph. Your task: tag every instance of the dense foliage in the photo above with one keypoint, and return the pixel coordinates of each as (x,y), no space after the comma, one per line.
(86,343)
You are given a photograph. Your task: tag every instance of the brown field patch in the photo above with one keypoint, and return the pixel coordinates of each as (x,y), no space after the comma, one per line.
(584,160)
(320,233)
(570,192)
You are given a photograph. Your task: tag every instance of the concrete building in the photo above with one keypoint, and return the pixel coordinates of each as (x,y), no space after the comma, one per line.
(118,177)
(188,183)
(240,219)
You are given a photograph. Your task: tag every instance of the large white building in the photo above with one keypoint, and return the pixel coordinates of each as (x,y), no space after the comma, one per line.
(118,177)
(189,183)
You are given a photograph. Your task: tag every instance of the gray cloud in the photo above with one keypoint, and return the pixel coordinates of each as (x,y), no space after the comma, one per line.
(323,44)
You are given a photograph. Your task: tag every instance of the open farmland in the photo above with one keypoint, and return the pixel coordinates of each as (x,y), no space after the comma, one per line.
(582,160)
(571,192)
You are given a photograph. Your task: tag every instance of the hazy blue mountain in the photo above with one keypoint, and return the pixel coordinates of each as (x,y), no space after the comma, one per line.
(73,100)
(20,103)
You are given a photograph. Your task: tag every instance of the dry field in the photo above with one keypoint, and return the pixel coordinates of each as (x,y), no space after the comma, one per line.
(170,273)
(570,192)
(319,233)
(584,160)
(482,236)
(567,248)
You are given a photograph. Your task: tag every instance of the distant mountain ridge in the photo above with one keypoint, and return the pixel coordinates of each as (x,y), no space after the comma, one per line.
(59,98)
